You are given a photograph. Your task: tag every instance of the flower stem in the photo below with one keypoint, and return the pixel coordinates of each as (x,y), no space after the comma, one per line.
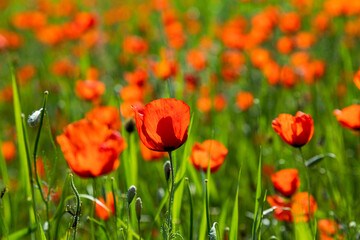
(308,187)
(171,196)
(93,210)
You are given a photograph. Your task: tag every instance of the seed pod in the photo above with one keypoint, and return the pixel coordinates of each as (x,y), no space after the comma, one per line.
(167,170)
(138,207)
(131,193)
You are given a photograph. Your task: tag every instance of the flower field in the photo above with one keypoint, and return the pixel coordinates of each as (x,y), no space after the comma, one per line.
(179,119)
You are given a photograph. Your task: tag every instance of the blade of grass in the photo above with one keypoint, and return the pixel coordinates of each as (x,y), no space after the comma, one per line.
(257,219)
(235,217)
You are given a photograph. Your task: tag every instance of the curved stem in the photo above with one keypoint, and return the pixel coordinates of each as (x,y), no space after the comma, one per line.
(171,196)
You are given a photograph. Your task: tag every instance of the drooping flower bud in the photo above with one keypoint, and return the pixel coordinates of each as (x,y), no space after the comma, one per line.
(138,207)
(131,193)
(167,170)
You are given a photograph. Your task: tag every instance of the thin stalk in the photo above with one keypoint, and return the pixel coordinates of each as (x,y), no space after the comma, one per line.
(115,206)
(171,195)
(308,187)
(128,220)
(101,225)
(139,230)
(78,206)
(207,207)
(191,210)
(37,140)
(93,210)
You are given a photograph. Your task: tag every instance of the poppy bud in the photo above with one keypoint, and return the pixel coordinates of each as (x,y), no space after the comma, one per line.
(167,167)
(131,193)
(34,118)
(138,207)
(130,125)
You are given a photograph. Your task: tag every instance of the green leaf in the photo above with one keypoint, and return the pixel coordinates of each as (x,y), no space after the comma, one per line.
(257,218)
(21,234)
(235,216)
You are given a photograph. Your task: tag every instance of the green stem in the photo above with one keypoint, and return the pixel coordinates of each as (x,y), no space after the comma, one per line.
(308,187)
(207,207)
(191,209)
(93,210)
(171,195)
(78,206)
(115,206)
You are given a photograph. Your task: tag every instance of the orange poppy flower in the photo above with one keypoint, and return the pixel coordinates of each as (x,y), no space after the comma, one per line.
(209,152)
(135,45)
(25,73)
(284,45)
(50,35)
(287,76)
(328,229)
(63,67)
(137,77)
(29,20)
(321,22)
(40,167)
(204,104)
(295,131)
(259,57)
(349,117)
(90,148)
(357,79)
(271,70)
(150,155)
(162,124)
(334,7)
(89,90)
(290,22)
(244,100)
(300,206)
(106,115)
(6,94)
(219,102)
(304,40)
(196,59)
(282,210)
(286,181)
(132,93)
(103,213)
(8,150)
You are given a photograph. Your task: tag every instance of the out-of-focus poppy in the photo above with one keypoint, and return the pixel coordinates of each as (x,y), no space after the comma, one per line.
(132,93)
(103,213)
(304,40)
(328,229)
(334,8)
(137,77)
(287,76)
(209,152)
(294,130)
(286,181)
(284,45)
(282,210)
(135,45)
(6,94)
(204,104)
(11,40)
(106,115)
(40,167)
(349,117)
(289,22)
(357,79)
(63,68)
(300,206)
(259,57)
(233,33)
(162,124)
(321,22)
(8,150)
(196,59)
(89,90)
(29,20)
(50,35)
(150,155)
(244,100)
(271,70)
(219,102)
(25,73)
(91,148)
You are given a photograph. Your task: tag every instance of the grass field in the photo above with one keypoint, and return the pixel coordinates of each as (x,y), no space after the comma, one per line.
(181,119)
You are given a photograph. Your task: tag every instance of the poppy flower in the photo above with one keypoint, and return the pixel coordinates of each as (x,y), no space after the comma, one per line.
(135,45)
(244,100)
(209,152)
(91,148)
(286,181)
(328,229)
(294,130)
(196,59)
(25,73)
(162,124)
(204,104)
(106,115)
(8,150)
(284,45)
(290,22)
(282,210)
(90,90)
(357,79)
(349,117)
(103,213)
(300,206)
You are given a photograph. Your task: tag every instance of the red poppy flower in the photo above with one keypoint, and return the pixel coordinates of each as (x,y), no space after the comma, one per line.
(8,150)
(91,148)
(286,181)
(90,90)
(106,115)
(349,117)
(282,210)
(300,206)
(209,152)
(149,155)
(162,124)
(295,131)
(328,229)
(244,100)
(103,213)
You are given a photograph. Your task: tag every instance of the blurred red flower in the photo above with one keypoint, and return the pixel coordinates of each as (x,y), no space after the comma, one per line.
(349,117)
(162,124)
(328,229)
(106,115)
(8,150)
(244,100)
(209,152)
(103,213)
(295,131)
(90,90)
(286,181)
(91,148)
